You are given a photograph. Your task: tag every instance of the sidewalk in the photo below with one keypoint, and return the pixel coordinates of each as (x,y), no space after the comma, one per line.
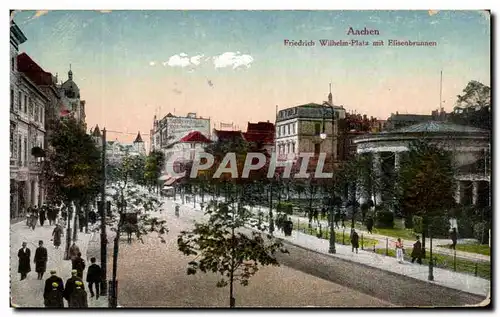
(381,238)
(459,281)
(29,292)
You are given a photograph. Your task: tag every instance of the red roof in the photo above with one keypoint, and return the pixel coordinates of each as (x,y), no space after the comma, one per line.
(259,137)
(195,136)
(34,72)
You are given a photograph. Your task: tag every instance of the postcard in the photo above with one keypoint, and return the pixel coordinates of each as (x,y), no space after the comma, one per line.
(246,158)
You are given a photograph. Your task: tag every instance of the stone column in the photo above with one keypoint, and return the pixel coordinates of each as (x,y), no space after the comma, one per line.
(377,168)
(36,192)
(475,191)
(396,161)
(458,192)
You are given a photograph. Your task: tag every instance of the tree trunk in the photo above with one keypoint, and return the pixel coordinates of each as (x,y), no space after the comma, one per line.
(116,245)
(87,207)
(424,231)
(75,224)
(68,231)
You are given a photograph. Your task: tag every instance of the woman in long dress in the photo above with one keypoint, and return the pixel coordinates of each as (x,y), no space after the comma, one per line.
(399,250)
(57,233)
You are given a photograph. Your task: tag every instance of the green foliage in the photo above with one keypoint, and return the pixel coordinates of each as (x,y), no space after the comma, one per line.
(285,207)
(418,225)
(426,181)
(384,219)
(219,246)
(481,232)
(153,167)
(72,169)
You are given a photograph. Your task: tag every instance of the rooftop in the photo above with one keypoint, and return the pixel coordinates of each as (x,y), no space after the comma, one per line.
(195,136)
(436,127)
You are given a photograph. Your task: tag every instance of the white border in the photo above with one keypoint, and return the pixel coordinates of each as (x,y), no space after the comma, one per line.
(198,4)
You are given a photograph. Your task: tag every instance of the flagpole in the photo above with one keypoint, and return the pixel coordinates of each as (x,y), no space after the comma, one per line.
(441,92)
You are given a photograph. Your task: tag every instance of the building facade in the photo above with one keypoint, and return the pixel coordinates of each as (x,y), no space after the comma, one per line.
(27,133)
(70,98)
(299,129)
(116,150)
(469,147)
(172,128)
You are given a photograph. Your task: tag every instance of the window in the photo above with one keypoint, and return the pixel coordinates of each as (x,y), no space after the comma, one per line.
(293,147)
(19,152)
(25,104)
(288,125)
(19,99)
(277,131)
(11,99)
(317,148)
(288,148)
(13,63)
(11,139)
(317,128)
(293,128)
(25,151)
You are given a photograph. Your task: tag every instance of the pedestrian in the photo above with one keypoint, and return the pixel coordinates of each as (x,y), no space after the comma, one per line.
(337,219)
(323,212)
(399,250)
(54,297)
(24,255)
(56,234)
(50,214)
(453,237)
(177,208)
(40,259)
(342,219)
(29,211)
(92,217)
(70,285)
(53,278)
(354,240)
(416,253)
(49,284)
(288,227)
(42,215)
(78,298)
(34,218)
(73,251)
(369,225)
(94,277)
(78,264)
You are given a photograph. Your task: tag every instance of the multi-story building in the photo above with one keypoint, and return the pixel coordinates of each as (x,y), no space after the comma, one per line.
(172,128)
(27,133)
(398,120)
(261,134)
(299,129)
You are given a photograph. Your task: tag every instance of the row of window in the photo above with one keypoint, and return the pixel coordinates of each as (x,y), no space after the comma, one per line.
(286,148)
(25,103)
(286,129)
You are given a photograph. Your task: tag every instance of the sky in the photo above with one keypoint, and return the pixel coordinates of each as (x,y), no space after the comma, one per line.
(233,66)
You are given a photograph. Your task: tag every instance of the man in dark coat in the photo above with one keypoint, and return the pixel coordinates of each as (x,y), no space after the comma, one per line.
(49,283)
(454,237)
(73,251)
(78,264)
(54,297)
(416,253)
(24,267)
(94,277)
(354,240)
(42,215)
(78,298)
(369,225)
(70,285)
(40,259)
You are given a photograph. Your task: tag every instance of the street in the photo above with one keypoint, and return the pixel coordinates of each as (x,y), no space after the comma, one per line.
(154,274)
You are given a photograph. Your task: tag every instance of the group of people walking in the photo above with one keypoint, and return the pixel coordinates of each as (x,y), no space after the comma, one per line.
(45,212)
(54,290)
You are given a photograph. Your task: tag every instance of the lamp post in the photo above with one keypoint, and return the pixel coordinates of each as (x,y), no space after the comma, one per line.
(323,136)
(104,242)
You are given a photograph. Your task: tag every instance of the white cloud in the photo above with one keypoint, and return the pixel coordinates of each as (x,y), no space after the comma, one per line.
(434,22)
(433,12)
(152,63)
(234,60)
(196,60)
(180,60)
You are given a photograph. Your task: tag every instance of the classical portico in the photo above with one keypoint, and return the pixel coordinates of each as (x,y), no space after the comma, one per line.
(470,148)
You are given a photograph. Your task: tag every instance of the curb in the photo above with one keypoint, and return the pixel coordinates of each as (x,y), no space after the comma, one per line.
(285,241)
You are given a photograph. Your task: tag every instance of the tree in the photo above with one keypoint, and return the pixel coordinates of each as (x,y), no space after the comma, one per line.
(426,182)
(475,94)
(474,106)
(153,167)
(132,210)
(72,169)
(220,247)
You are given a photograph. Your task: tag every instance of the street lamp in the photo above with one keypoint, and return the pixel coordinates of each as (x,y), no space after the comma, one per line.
(323,136)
